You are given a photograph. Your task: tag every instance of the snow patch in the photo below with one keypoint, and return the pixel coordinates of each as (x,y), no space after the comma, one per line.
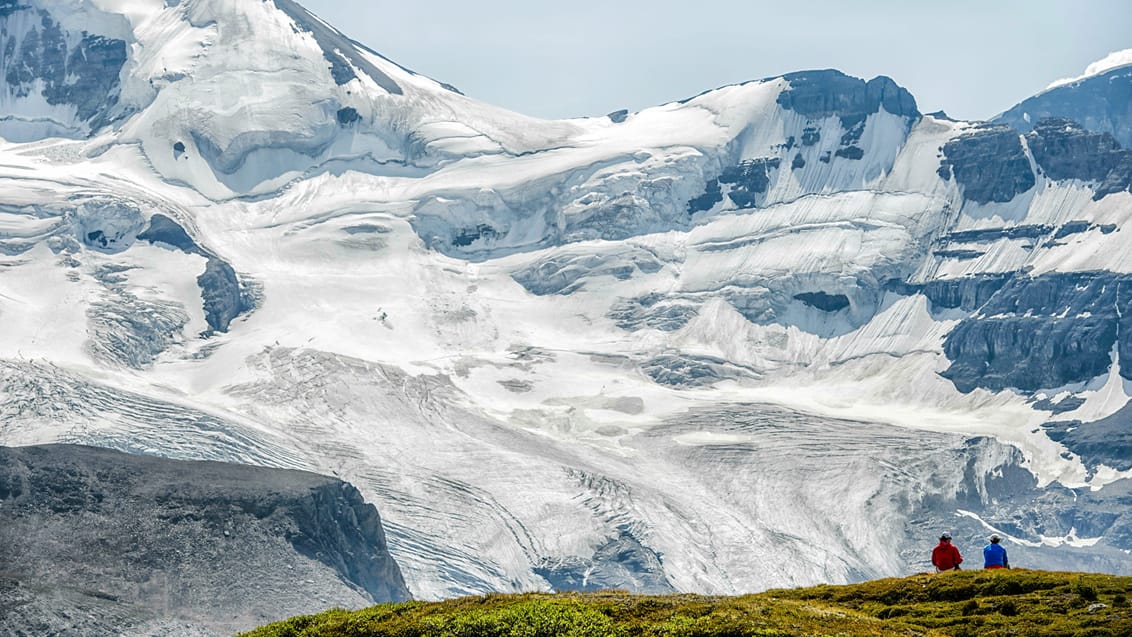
(1070,539)
(704,438)
(1107,400)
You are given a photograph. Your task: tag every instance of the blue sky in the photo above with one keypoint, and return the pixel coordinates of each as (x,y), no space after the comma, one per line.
(584,57)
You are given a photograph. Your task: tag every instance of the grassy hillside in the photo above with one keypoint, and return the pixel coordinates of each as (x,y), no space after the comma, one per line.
(968,603)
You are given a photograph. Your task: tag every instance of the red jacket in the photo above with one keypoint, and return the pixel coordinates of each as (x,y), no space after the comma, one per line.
(946,557)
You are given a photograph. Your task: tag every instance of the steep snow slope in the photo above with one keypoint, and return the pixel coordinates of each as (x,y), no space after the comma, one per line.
(238,97)
(666,350)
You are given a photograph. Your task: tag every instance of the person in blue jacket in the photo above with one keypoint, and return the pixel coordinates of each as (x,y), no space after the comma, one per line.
(994,556)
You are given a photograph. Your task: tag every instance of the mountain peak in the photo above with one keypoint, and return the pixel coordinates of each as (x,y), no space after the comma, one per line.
(826,92)
(236,96)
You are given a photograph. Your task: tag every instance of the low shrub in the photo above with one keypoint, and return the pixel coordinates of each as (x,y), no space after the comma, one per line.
(1086,591)
(1016,603)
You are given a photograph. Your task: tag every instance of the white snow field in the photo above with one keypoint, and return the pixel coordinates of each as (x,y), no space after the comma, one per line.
(515,336)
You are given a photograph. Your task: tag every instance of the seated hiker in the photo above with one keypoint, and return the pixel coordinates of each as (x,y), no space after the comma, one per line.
(994,556)
(945,556)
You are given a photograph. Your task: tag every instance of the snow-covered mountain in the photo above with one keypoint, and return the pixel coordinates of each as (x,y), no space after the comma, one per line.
(778,333)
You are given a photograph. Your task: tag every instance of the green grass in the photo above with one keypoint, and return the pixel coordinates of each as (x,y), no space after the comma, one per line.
(985,603)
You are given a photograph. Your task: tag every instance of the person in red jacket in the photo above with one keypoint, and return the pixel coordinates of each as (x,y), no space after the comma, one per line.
(945,556)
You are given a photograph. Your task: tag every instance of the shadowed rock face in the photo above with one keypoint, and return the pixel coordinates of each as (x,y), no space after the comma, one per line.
(1106,441)
(815,95)
(340,52)
(162,229)
(214,545)
(1033,333)
(989,163)
(748,179)
(84,75)
(968,293)
(8,7)
(712,195)
(824,93)
(824,301)
(990,235)
(1065,150)
(220,288)
(1038,333)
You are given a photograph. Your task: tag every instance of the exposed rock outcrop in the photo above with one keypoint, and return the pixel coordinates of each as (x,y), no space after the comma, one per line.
(65,69)
(827,92)
(218,546)
(749,179)
(989,164)
(1038,333)
(223,295)
(1065,150)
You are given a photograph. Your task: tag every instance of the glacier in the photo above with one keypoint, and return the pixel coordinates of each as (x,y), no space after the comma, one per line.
(779,333)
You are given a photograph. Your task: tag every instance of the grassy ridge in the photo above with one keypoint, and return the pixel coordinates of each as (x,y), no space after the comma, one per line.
(960,604)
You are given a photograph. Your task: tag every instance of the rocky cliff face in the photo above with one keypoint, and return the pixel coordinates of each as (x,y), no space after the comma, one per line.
(1022,338)
(988,163)
(96,542)
(224,296)
(58,68)
(1065,150)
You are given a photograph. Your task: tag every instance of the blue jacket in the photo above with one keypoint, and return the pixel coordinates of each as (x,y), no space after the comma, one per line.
(994,555)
